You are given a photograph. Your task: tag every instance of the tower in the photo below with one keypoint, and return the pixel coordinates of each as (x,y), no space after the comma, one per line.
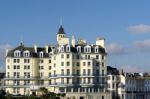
(62,39)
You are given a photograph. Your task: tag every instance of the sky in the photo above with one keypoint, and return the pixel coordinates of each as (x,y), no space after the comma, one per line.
(125,24)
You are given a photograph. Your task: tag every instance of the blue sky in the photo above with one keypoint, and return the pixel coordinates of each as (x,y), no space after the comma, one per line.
(124,24)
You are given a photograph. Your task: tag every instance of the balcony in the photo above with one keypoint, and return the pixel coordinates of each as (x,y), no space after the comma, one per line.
(21,78)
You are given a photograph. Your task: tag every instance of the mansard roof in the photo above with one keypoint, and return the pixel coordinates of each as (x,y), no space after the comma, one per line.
(61,30)
(22,48)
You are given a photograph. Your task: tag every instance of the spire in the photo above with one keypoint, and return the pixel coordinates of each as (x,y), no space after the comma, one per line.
(61,30)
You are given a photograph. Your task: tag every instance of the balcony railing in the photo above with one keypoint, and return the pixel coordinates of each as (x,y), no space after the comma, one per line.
(21,77)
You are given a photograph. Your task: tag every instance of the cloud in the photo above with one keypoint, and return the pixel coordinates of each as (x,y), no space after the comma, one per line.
(115,49)
(2,55)
(142,46)
(140,28)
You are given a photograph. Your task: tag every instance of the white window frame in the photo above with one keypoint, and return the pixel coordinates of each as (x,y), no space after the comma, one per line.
(68,48)
(79,49)
(41,54)
(26,53)
(17,53)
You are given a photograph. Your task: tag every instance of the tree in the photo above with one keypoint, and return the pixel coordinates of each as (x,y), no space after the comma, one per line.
(63,95)
(44,93)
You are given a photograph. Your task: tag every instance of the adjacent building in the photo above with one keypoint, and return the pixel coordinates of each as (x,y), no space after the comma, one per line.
(77,68)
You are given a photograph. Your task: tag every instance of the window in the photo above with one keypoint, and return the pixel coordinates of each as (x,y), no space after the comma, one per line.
(78,64)
(67,55)
(68,48)
(103,72)
(8,67)
(18,67)
(62,56)
(62,71)
(84,72)
(97,80)
(78,72)
(97,63)
(49,67)
(26,53)
(49,61)
(42,67)
(84,63)
(88,56)
(113,85)
(41,61)
(97,72)
(17,53)
(49,82)
(54,57)
(15,60)
(96,49)
(54,73)
(15,66)
(49,74)
(103,57)
(89,80)
(89,63)
(41,54)
(68,63)
(25,67)
(89,71)
(26,60)
(54,64)
(84,80)
(41,74)
(67,80)
(62,63)
(97,56)
(62,80)
(79,48)
(68,72)
(103,64)
(8,74)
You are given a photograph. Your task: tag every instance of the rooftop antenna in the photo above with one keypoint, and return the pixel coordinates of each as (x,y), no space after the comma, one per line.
(21,39)
(60,20)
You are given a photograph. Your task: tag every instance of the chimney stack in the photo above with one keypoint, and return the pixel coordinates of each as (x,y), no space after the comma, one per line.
(35,48)
(73,42)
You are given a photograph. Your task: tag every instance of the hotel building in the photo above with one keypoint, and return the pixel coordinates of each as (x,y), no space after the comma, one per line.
(77,68)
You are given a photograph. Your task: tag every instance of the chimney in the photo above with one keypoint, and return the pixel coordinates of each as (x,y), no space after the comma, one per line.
(73,42)
(35,48)
(46,48)
(7,51)
(100,42)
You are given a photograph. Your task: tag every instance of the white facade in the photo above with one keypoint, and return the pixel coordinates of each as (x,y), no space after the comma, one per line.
(65,68)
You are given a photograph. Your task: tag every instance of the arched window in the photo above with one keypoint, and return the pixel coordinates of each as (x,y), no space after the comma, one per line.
(41,54)
(68,48)
(79,48)
(87,49)
(96,49)
(26,53)
(62,48)
(17,53)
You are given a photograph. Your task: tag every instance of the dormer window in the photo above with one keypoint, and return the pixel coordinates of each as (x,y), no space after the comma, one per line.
(62,48)
(17,53)
(87,49)
(26,53)
(41,54)
(96,49)
(79,48)
(68,48)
